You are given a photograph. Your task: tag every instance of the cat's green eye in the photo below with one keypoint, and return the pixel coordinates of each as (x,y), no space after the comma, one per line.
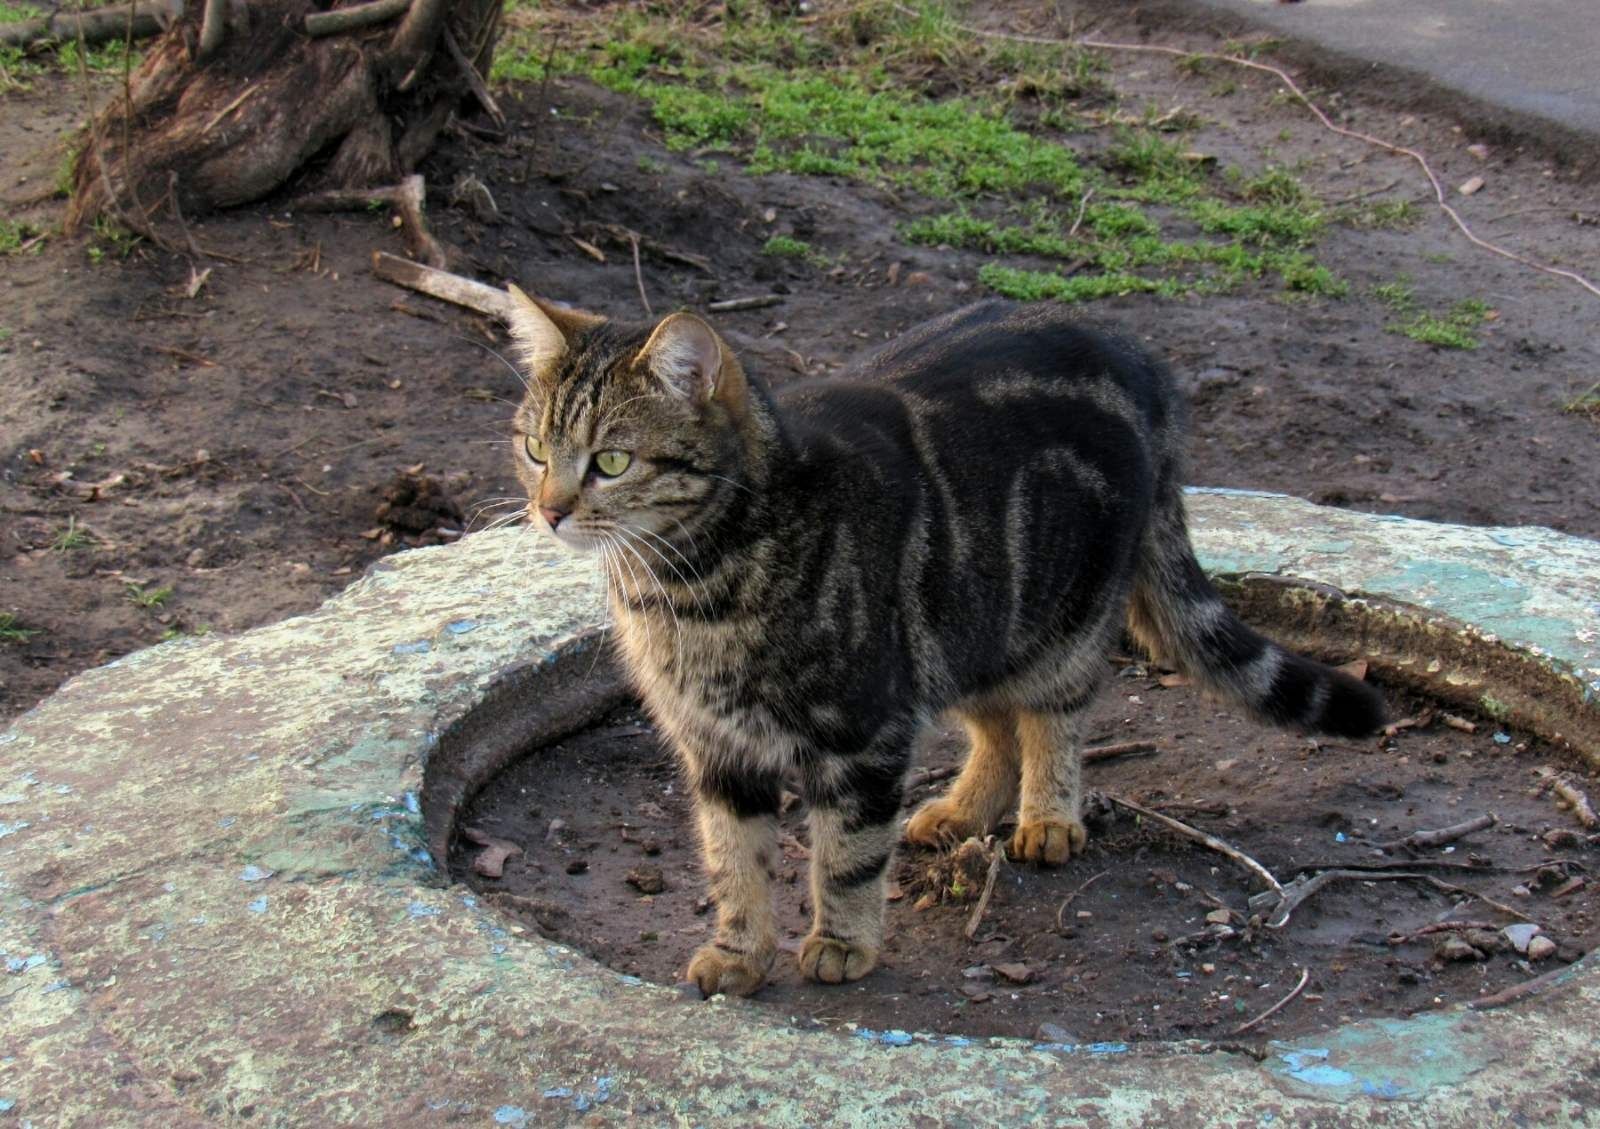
(537,451)
(612,463)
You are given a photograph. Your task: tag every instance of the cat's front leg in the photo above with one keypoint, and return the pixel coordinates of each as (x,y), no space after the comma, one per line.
(737,813)
(854,805)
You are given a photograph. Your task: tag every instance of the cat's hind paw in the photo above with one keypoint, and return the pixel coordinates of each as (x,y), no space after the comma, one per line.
(714,969)
(833,961)
(1049,841)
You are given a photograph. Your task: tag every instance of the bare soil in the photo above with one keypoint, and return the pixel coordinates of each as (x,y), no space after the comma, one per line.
(1115,946)
(235,445)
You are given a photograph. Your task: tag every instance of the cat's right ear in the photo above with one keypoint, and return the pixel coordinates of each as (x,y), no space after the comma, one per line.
(542,332)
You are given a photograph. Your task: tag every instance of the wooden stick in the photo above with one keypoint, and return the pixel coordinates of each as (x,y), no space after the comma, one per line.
(474,81)
(638,278)
(1125,749)
(1305,976)
(988,889)
(1441,927)
(94,27)
(213,26)
(441,284)
(1202,837)
(756,303)
(1518,991)
(408,199)
(1302,889)
(319,24)
(1444,834)
(1572,794)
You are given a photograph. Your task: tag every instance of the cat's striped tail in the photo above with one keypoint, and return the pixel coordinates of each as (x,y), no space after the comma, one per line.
(1180,619)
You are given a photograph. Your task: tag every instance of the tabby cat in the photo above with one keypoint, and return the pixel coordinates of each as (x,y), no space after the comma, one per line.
(801,581)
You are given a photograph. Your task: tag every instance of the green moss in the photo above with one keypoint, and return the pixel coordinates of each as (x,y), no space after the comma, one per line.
(958,229)
(1038,286)
(786,247)
(1284,225)
(1452,330)
(12,632)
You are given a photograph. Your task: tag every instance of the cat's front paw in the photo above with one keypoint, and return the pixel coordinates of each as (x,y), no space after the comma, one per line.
(1049,841)
(716,969)
(833,961)
(941,823)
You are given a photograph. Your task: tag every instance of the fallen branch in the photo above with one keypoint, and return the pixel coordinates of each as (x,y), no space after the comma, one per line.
(213,26)
(1305,976)
(931,775)
(1574,796)
(1444,834)
(474,81)
(1204,838)
(988,889)
(659,250)
(319,24)
(93,27)
(441,284)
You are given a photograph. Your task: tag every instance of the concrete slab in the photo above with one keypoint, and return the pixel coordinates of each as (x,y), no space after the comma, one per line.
(216,905)
(1536,60)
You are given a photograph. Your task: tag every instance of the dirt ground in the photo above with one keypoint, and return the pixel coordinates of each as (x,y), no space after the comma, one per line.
(1145,936)
(210,462)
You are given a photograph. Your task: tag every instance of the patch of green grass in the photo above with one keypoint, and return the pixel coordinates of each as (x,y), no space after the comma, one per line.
(959,229)
(1381,214)
(649,165)
(11,632)
(1160,171)
(148,598)
(1039,286)
(1585,403)
(18,13)
(1452,330)
(12,235)
(1399,295)
(111,57)
(71,538)
(1281,225)
(786,247)
(110,237)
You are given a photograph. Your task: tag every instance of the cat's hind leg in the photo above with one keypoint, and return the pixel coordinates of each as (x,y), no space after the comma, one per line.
(854,804)
(986,790)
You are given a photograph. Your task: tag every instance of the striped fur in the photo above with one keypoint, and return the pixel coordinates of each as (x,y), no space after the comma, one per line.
(801,582)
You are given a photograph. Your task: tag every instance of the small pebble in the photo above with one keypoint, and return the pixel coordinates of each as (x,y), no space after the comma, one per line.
(1454,948)
(1052,1033)
(1520,935)
(577,866)
(1219,917)
(1541,948)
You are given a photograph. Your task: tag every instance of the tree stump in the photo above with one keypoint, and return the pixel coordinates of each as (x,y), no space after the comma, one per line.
(237,99)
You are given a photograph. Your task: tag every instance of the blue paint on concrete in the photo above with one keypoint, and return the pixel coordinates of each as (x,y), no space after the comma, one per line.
(513,1115)
(420,647)
(254,873)
(461,626)
(422,909)
(257,905)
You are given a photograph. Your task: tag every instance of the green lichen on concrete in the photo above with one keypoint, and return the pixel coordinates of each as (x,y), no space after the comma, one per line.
(213,848)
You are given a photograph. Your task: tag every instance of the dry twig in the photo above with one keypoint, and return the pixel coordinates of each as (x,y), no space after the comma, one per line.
(1518,991)
(1072,897)
(1305,976)
(1204,838)
(1123,749)
(988,888)
(1444,834)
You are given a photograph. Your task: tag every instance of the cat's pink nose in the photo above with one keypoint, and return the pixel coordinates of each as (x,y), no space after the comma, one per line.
(553,515)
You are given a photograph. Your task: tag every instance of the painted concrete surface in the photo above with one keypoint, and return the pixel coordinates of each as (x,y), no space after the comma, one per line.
(215,907)
(1535,58)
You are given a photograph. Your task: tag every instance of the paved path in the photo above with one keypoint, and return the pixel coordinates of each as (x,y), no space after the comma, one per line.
(1538,60)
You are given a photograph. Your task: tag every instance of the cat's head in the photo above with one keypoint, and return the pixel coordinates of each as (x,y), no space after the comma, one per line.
(627,433)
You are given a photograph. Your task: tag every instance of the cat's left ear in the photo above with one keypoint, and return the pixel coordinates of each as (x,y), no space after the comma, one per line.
(542,332)
(687,356)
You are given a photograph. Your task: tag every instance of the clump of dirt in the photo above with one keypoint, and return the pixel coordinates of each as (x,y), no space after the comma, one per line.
(1148,934)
